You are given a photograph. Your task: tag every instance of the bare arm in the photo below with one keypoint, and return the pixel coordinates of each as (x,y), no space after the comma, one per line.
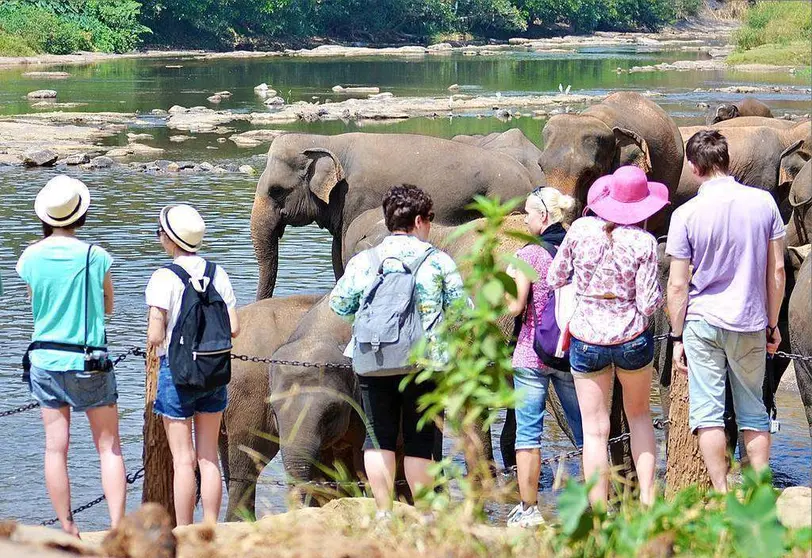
(235,322)
(679,276)
(156,327)
(776,281)
(516,305)
(108,293)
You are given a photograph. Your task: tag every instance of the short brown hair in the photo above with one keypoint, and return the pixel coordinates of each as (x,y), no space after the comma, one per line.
(707,151)
(402,204)
(48,230)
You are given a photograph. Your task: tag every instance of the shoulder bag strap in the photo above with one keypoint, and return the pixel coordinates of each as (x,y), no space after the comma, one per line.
(419,261)
(87,291)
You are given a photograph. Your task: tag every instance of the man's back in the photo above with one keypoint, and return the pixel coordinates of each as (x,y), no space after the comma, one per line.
(725,232)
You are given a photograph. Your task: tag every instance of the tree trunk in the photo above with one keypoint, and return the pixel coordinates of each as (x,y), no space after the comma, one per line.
(684,464)
(158,470)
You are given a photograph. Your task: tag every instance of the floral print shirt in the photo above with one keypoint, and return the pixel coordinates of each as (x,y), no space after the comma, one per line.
(438,281)
(616,282)
(524,355)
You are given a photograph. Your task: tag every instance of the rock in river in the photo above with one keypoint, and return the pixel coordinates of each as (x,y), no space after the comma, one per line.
(77,159)
(356,90)
(134,149)
(275,101)
(40,158)
(42,94)
(101,163)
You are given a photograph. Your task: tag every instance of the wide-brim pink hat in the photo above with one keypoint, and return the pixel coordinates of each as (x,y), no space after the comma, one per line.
(626,197)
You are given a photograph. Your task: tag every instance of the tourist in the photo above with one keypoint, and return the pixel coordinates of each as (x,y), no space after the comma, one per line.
(546,208)
(71,289)
(725,288)
(180,232)
(613,263)
(408,213)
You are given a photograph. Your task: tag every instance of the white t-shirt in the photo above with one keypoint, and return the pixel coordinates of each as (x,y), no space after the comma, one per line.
(165,291)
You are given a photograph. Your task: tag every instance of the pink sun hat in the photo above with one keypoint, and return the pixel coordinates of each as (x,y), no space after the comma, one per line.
(626,196)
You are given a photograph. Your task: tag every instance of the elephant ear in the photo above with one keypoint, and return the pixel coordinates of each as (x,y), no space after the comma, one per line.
(786,170)
(631,149)
(324,171)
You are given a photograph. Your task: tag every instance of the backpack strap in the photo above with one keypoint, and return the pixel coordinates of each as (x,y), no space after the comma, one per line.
(551,248)
(211,269)
(182,274)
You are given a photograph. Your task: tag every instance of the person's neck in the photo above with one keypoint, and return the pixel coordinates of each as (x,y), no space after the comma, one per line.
(67,233)
(714,176)
(178,252)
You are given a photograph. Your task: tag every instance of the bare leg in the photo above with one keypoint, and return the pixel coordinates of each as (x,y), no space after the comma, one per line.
(57,439)
(712,444)
(207,431)
(758,448)
(380,468)
(179,436)
(417,474)
(636,395)
(528,470)
(593,393)
(104,426)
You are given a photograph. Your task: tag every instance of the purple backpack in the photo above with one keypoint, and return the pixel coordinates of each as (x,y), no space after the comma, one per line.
(546,332)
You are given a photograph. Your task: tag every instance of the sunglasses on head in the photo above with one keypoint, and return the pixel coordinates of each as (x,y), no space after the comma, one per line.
(537,193)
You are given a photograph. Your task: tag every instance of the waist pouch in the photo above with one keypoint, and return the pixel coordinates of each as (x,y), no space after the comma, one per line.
(97,359)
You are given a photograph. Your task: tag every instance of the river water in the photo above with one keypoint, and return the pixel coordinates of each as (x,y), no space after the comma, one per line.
(125,207)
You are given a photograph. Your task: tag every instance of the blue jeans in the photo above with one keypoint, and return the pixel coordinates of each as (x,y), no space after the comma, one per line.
(179,403)
(589,360)
(80,390)
(713,354)
(530,411)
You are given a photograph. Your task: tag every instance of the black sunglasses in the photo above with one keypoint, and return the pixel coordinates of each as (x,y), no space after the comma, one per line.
(158,232)
(537,193)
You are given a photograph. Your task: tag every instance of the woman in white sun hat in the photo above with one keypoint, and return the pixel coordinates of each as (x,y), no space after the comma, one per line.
(180,232)
(71,290)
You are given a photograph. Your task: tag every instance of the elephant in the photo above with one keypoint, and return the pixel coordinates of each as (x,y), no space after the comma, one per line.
(330,180)
(626,128)
(746,121)
(749,106)
(513,143)
(800,334)
(247,420)
(761,157)
(800,199)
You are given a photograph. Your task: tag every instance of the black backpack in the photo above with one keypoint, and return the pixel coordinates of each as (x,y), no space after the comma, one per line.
(200,347)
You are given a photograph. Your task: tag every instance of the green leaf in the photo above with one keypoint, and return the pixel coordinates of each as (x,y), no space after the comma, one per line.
(508,283)
(756,530)
(574,511)
(493,291)
(522,266)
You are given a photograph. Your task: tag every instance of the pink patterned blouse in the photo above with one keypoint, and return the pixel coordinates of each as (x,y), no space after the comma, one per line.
(616,282)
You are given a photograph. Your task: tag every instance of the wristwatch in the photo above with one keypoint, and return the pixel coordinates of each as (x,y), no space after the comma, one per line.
(675,338)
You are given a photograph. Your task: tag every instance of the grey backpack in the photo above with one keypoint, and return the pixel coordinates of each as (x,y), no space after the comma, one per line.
(388,323)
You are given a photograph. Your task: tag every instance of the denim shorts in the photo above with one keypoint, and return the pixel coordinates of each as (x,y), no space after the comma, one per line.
(181,404)
(631,356)
(80,390)
(530,410)
(713,354)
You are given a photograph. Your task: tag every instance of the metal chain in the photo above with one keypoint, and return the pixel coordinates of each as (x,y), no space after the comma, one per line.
(298,363)
(132,478)
(19,409)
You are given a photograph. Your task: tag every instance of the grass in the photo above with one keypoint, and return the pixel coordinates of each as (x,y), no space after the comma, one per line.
(795,53)
(775,33)
(14,46)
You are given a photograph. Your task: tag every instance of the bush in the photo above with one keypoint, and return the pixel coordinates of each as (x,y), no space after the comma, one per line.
(775,23)
(11,45)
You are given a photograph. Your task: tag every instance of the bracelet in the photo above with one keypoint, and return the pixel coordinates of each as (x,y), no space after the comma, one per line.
(675,338)
(771,330)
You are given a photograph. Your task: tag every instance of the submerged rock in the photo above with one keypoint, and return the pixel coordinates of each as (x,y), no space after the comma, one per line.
(101,162)
(134,150)
(42,94)
(215,99)
(47,75)
(356,90)
(40,158)
(247,169)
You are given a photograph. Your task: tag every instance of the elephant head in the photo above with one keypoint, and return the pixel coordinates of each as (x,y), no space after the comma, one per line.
(723,112)
(579,148)
(295,189)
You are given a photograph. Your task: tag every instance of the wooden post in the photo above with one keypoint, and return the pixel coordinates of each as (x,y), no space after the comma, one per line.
(158,471)
(684,464)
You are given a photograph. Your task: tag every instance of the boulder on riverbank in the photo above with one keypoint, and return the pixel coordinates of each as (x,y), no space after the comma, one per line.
(40,158)
(794,507)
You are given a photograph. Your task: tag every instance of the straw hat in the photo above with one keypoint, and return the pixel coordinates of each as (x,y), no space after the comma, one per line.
(183,225)
(626,196)
(62,201)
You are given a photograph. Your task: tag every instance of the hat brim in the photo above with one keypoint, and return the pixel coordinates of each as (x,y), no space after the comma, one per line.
(631,213)
(167,228)
(84,205)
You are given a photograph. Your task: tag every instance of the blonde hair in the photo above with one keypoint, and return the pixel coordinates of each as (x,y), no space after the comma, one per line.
(560,207)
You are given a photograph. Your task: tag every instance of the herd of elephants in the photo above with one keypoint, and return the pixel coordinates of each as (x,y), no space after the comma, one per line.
(338,182)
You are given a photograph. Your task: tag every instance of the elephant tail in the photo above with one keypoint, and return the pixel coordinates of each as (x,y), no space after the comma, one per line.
(222,444)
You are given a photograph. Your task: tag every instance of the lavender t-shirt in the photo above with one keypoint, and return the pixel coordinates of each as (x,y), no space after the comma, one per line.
(725,232)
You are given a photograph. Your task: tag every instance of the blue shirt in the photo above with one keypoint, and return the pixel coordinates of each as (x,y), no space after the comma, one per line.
(54,269)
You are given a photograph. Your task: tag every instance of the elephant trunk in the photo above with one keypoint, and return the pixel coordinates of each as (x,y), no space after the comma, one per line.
(266,230)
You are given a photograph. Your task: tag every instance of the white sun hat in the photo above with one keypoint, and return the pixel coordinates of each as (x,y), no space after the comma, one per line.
(183,225)
(62,201)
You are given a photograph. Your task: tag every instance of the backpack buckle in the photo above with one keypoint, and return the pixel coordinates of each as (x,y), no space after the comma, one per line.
(376,343)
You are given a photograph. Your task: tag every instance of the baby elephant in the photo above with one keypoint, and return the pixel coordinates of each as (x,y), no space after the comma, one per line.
(749,106)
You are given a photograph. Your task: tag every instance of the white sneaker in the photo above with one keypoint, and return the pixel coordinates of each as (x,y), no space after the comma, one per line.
(525,517)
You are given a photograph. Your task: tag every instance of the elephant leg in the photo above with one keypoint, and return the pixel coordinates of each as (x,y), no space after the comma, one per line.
(338,265)
(803,375)
(244,455)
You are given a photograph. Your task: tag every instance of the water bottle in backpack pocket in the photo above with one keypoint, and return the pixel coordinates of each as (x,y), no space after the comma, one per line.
(200,346)
(388,323)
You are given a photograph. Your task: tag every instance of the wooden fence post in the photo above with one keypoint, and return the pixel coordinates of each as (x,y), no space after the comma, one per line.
(684,464)
(158,471)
